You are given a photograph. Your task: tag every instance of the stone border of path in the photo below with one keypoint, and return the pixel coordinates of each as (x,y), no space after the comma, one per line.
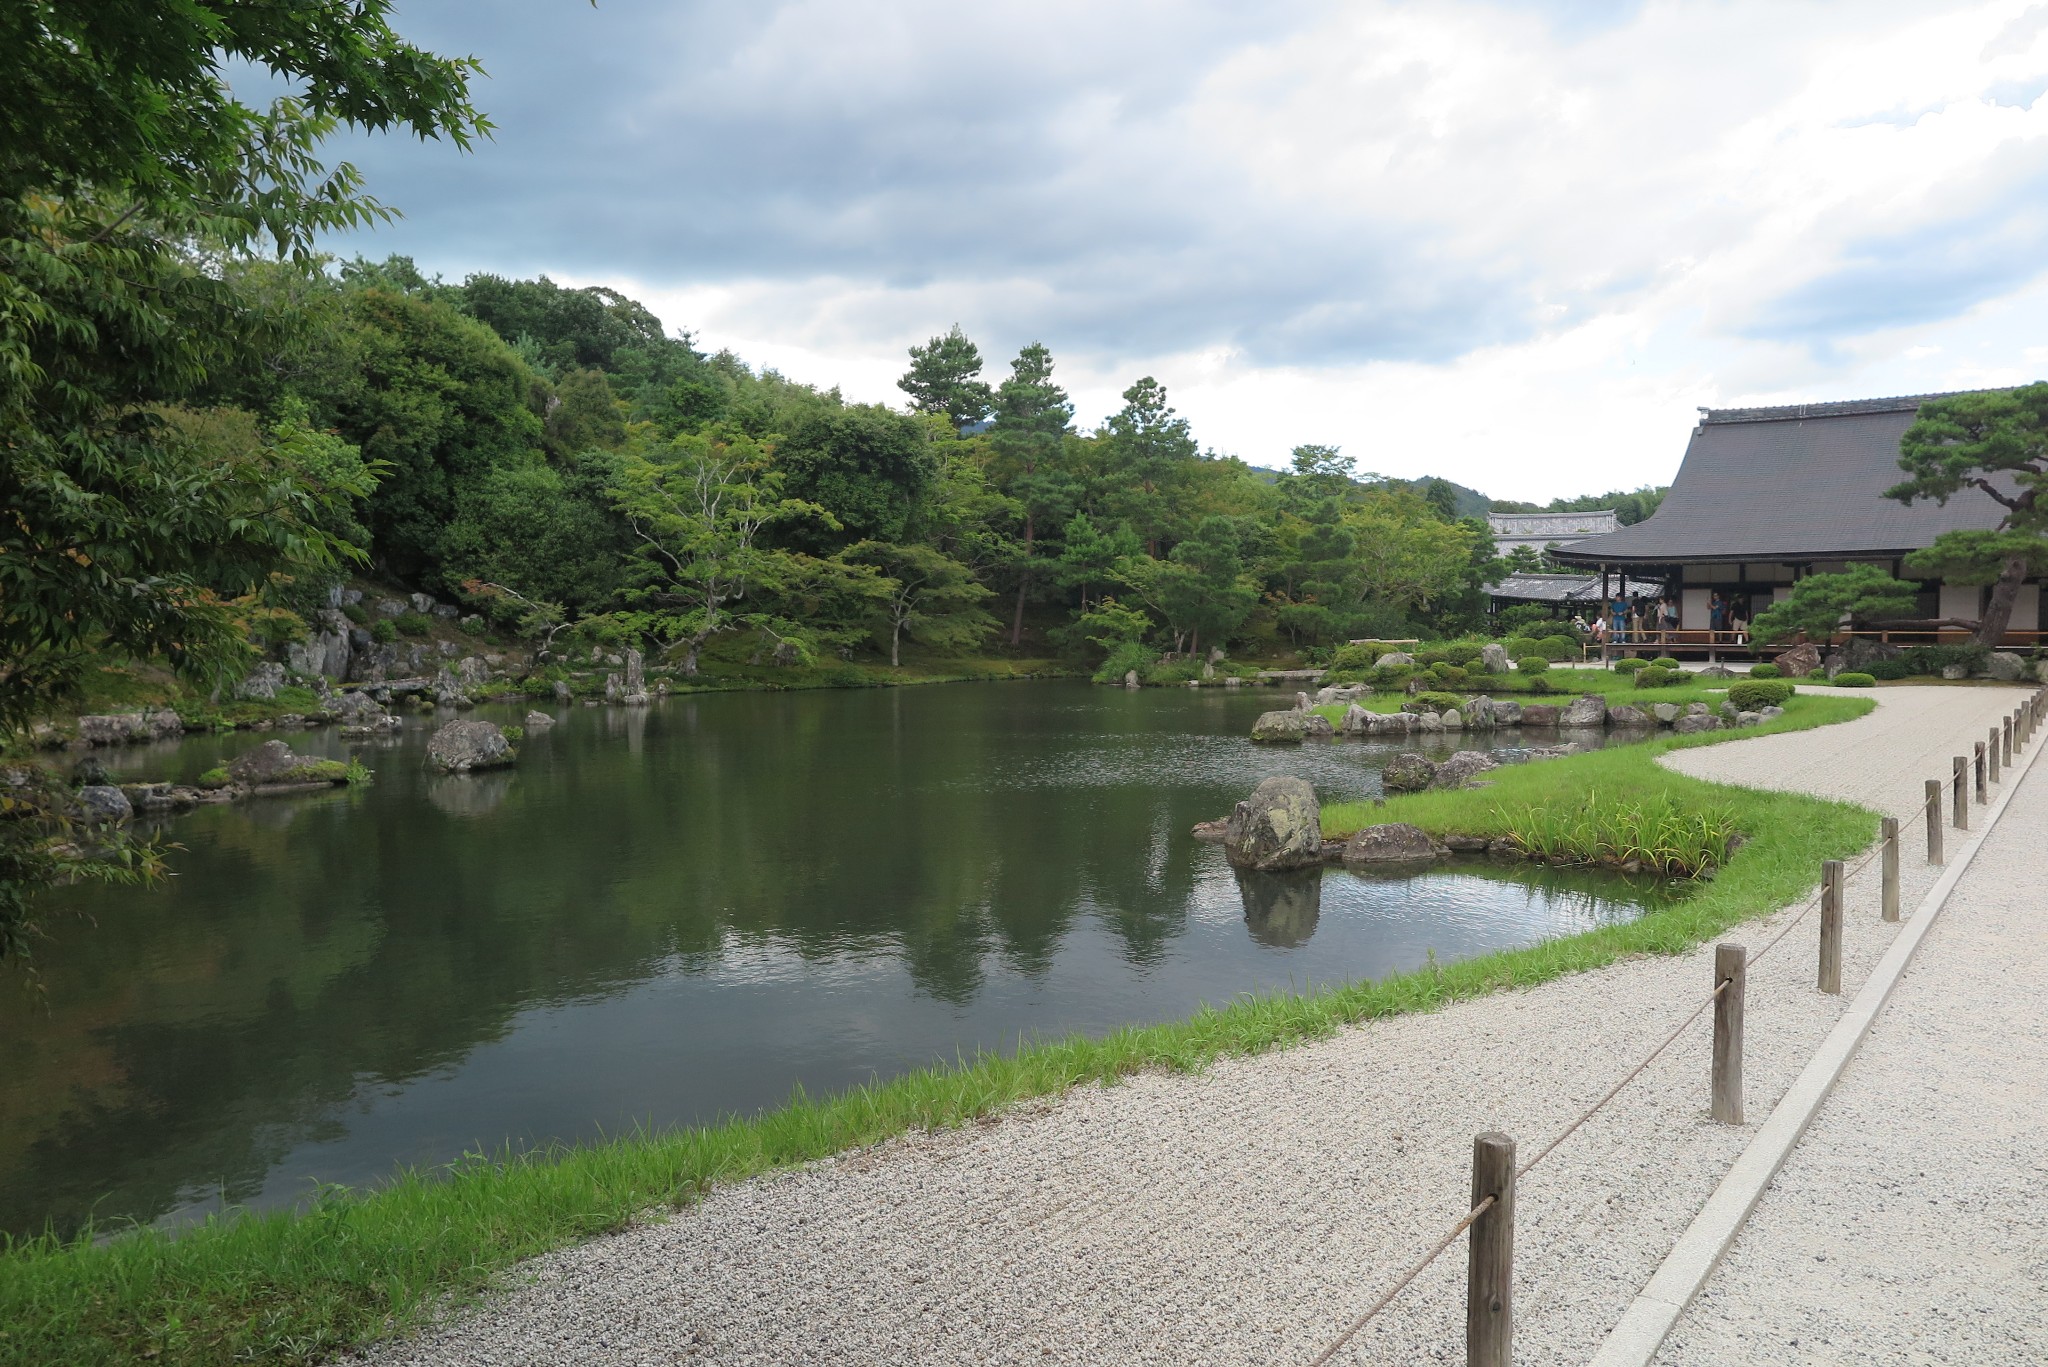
(1638,1337)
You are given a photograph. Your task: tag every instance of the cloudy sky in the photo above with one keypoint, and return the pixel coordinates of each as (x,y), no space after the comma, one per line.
(1511,243)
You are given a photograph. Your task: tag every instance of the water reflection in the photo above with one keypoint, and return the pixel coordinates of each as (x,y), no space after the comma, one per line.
(672,913)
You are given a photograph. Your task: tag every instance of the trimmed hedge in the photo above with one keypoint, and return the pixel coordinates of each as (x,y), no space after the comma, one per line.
(1657,676)
(1665,662)
(1753,695)
(1855,678)
(1630,664)
(1766,670)
(1532,664)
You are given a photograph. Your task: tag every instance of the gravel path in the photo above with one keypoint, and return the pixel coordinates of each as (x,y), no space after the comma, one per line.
(1247,1214)
(1905,1227)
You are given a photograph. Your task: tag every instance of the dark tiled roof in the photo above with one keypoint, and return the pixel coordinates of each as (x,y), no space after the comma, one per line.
(1802,482)
(1565,588)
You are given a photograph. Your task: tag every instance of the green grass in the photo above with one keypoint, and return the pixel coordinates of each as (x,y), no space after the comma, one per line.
(1683,840)
(294,1288)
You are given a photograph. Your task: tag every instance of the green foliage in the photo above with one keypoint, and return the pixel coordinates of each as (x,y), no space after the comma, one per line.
(1657,676)
(216,777)
(1522,647)
(1629,665)
(1532,665)
(1555,648)
(1666,662)
(870,467)
(1653,833)
(514,734)
(1351,657)
(1765,670)
(1850,678)
(384,631)
(1123,657)
(1818,603)
(356,613)
(474,625)
(413,624)
(944,378)
(1753,694)
(1971,659)
(357,774)
(1540,685)
(1462,652)
(1434,702)
(1885,669)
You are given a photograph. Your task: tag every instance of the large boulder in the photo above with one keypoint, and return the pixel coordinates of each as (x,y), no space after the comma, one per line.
(463,746)
(1800,661)
(2005,666)
(1357,721)
(1590,710)
(1665,712)
(1280,726)
(1397,842)
(1314,725)
(1540,714)
(1507,712)
(472,671)
(538,721)
(1452,719)
(130,728)
(1481,714)
(273,762)
(1459,770)
(1408,773)
(633,688)
(262,681)
(102,802)
(1862,652)
(1715,671)
(1493,658)
(1393,658)
(1280,826)
(390,607)
(1625,715)
(1691,723)
(447,690)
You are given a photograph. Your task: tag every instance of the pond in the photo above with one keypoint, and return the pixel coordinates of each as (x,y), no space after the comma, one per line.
(670,914)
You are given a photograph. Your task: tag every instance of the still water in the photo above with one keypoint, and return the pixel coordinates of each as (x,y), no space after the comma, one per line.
(670,914)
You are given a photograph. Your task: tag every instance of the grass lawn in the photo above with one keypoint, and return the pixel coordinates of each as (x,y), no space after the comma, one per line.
(300,1287)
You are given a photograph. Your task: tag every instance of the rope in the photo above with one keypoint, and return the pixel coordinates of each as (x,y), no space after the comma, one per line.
(1402,1285)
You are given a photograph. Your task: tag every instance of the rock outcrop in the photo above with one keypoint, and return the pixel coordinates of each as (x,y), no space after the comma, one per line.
(1408,773)
(1798,662)
(2005,666)
(1279,726)
(1397,842)
(461,747)
(102,803)
(1493,658)
(1590,710)
(1460,769)
(1280,826)
(130,728)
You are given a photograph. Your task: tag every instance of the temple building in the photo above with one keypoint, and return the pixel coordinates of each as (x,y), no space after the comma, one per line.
(1767,496)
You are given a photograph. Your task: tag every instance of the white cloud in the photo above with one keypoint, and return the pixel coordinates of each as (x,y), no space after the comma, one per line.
(1464,238)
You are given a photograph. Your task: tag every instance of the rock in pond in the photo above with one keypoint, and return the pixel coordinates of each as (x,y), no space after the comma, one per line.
(1540,714)
(102,802)
(1212,832)
(274,763)
(1280,826)
(1693,722)
(1279,726)
(463,746)
(536,721)
(1665,712)
(1408,773)
(1317,725)
(1459,770)
(1625,715)
(1396,842)
(1590,710)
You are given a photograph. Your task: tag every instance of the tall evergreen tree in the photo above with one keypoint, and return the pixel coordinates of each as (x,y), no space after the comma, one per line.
(944,377)
(1033,416)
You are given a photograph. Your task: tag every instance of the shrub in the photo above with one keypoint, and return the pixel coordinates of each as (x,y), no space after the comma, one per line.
(514,734)
(357,774)
(1855,678)
(1653,833)
(1172,672)
(1435,655)
(216,777)
(1753,695)
(1390,678)
(1765,671)
(1434,702)
(1518,647)
(1540,685)
(1558,648)
(1125,657)
(1665,661)
(1879,669)
(414,624)
(1532,664)
(1355,657)
(383,633)
(475,625)
(355,613)
(1630,665)
(1934,659)
(1657,676)
(1451,675)
(1462,652)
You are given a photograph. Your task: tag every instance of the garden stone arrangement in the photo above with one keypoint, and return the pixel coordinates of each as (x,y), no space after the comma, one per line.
(1428,717)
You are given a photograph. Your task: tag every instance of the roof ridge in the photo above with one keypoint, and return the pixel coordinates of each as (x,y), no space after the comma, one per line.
(1834,408)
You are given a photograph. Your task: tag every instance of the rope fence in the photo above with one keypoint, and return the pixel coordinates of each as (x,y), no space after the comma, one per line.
(1489,1324)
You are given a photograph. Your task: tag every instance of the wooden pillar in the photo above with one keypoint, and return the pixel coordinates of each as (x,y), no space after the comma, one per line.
(1959,801)
(1933,805)
(1888,861)
(1729,974)
(1490,1268)
(1831,926)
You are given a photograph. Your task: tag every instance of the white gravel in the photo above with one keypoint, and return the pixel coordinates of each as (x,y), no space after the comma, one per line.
(1245,1215)
(1906,1227)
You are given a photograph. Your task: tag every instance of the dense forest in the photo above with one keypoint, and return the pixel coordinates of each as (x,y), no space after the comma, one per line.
(556,458)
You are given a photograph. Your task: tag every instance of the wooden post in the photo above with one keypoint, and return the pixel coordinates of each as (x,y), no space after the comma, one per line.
(2005,741)
(1888,861)
(1729,962)
(1490,1269)
(1977,769)
(1959,816)
(1831,926)
(1991,753)
(1933,820)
